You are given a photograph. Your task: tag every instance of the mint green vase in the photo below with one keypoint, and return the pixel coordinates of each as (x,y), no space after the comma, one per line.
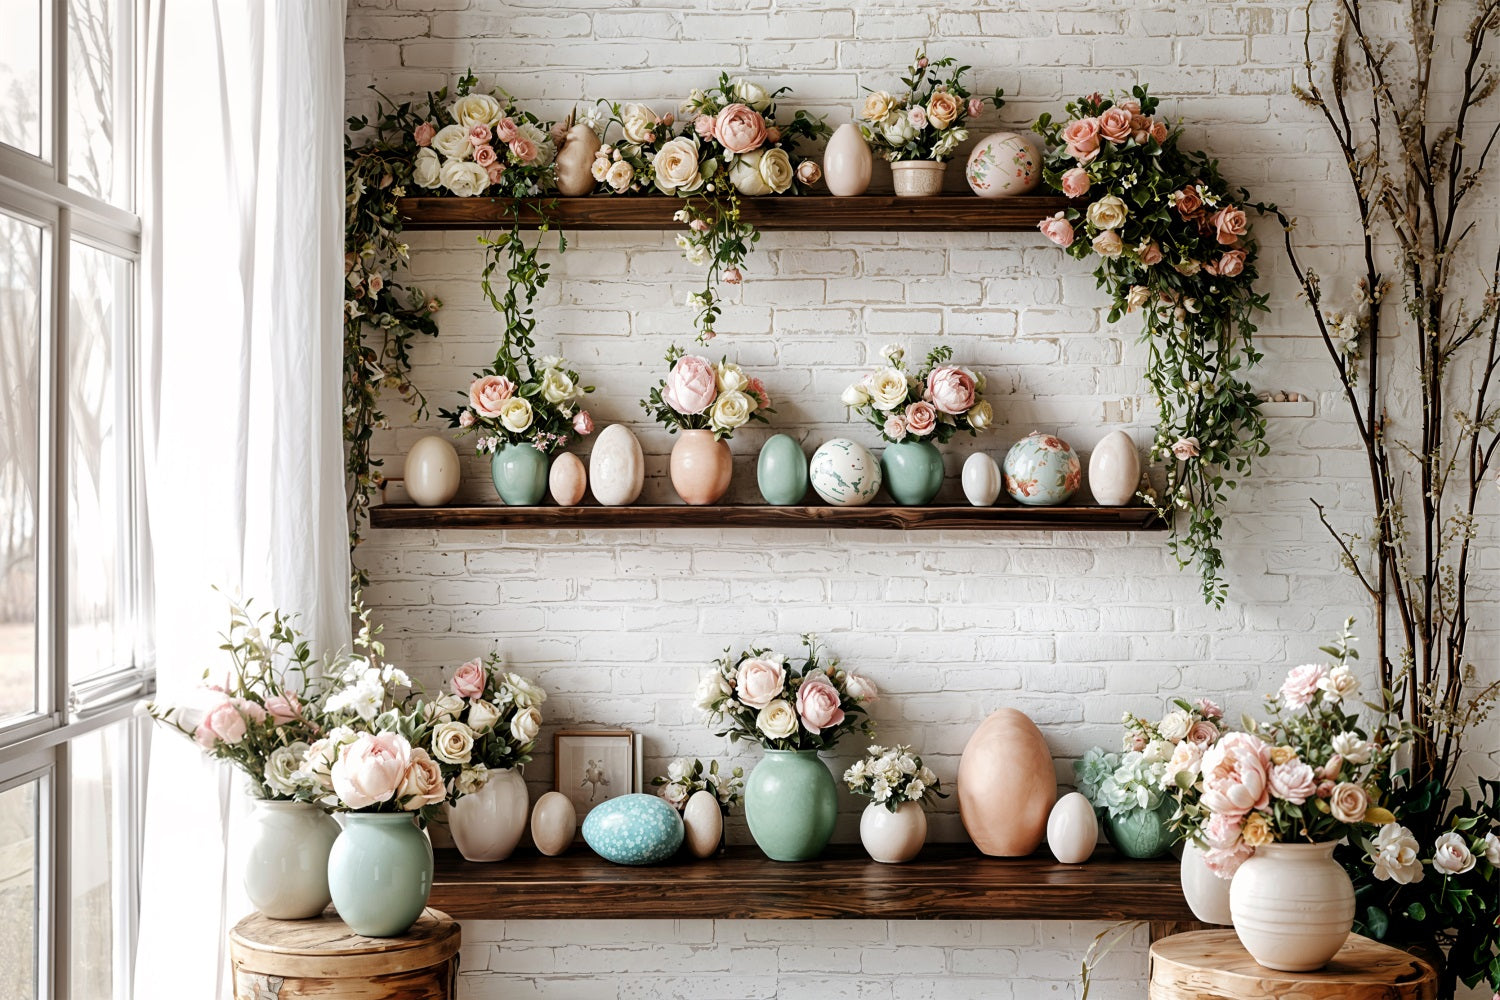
(380,873)
(913,471)
(519,472)
(1141,833)
(791,803)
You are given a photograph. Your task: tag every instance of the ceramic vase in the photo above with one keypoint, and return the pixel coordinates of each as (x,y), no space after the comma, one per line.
(380,873)
(701,467)
(913,471)
(487,825)
(431,472)
(917,178)
(1292,906)
(1207,895)
(893,837)
(791,803)
(847,162)
(781,471)
(1006,785)
(1141,833)
(286,868)
(1114,470)
(520,474)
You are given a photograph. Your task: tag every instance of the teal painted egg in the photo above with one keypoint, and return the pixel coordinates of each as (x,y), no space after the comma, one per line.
(633,830)
(781,471)
(1042,470)
(844,473)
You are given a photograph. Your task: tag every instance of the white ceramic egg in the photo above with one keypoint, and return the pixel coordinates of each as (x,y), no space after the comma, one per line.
(1115,470)
(981,479)
(844,473)
(431,472)
(704,822)
(617,467)
(1072,829)
(568,479)
(553,823)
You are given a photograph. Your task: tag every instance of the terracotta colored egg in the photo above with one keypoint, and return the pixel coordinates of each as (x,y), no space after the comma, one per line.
(1042,470)
(1006,785)
(1072,829)
(617,467)
(1115,470)
(553,823)
(568,479)
(431,472)
(981,479)
(704,822)
(574,166)
(1003,165)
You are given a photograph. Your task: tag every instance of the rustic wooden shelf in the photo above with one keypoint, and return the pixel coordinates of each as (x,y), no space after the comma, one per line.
(819,213)
(946,882)
(1009,517)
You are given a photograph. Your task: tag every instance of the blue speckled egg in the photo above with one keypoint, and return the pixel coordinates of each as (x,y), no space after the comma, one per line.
(633,830)
(1042,470)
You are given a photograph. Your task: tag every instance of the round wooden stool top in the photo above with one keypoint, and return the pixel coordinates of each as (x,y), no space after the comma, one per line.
(325,947)
(1213,965)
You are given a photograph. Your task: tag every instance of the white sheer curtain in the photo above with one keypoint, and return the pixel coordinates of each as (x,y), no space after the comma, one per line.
(242,374)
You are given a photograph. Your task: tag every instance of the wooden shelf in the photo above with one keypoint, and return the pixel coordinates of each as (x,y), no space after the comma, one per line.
(946,882)
(820,213)
(1010,517)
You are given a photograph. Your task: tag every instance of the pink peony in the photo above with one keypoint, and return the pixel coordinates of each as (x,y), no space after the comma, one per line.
(487,392)
(523,149)
(809,173)
(485,155)
(469,680)
(369,770)
(740,129)
(495,171)
(1082,138)
(1232,264)
(1185,448)
(1293,781)
(479,135)
(1236,774)
(704,126)
(283,708)
(1230,224)
(222,724)
(1222,831)
(691,387)
(732,276)
(583,423)
(951,389)
(1114,125)
(1075,182)
(423,133)
(921,418)
(759,681)
(1224,863)
(505,130)
(818,704)
(1151,256)
(1057,229)
(1203,733)
(1301,685)
(895,427)
(976,107)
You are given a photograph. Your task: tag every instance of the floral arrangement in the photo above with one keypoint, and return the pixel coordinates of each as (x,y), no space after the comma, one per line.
(1143,774)
(893,775)
(1172,242)
(487,720)
(760,697)
(935,403)
(700,395)
(628,164)
(685,778)
(923,125)
(520,400)
(379,770)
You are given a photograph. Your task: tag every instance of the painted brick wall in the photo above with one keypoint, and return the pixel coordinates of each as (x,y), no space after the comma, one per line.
(1072,628)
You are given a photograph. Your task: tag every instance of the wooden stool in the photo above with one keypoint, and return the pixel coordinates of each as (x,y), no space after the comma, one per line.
(1213,965)
(323,958)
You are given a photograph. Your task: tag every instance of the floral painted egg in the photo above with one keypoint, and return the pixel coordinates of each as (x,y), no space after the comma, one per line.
(844,473)
(1041,470)
(1002,165)
(633,830)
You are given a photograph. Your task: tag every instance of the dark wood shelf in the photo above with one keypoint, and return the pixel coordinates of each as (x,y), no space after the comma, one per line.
(820,213)
(1009,517)
(946,882)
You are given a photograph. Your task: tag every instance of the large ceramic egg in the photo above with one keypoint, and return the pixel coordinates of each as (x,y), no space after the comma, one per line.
(554,820)
(781,471)
(1002,165)
(431,472)
(1006,785)
(634,829)
(981,479)
(844,473)
(1072,829)
(704,822)
(1041,470)
(617,467)
(1115,470)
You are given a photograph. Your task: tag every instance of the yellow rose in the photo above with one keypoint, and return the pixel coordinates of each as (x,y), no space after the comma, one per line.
(476,109)
(877,106)
(1257,830)
(730,376)
(943,109)
(515,414)
(1283,755)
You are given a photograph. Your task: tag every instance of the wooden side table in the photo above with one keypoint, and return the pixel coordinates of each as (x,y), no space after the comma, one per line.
(322,958)
(1213,965)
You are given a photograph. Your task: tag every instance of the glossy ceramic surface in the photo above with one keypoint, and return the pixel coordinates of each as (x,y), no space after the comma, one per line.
(634,829)
(791,804)
(781,471)
(1041,470)
(844,473)
(519,472)
(1003,165)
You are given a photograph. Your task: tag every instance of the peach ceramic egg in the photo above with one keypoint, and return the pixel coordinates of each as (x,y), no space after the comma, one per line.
(553,823)
(1006,785)
(568,479)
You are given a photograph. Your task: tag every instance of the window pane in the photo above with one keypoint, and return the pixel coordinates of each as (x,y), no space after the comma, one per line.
(21,75)
(99,634)
(99,98)
(99,764)
(20,826)
(20,383)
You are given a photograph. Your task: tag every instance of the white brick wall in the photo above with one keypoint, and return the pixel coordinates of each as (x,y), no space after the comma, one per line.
(1072,628)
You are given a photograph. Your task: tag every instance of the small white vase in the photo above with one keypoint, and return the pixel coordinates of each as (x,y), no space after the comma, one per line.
(893,837)
(487,825)
(917,178)
(1207,895)
(1292,906)
(847,162)
(286,869)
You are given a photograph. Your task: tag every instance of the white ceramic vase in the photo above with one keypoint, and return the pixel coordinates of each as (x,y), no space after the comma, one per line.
(1207,895)
(286,869)
(847,162)
(1292,906)
(918,178)
(893,837)
(487,825)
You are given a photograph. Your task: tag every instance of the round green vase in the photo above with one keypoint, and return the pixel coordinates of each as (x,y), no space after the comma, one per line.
(791,803)
(520,474)
(380,873)
(913,471)
(1140,833)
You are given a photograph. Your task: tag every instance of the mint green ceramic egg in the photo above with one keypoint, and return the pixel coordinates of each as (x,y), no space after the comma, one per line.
(781,471)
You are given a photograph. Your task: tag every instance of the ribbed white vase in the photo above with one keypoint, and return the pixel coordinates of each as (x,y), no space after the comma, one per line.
(1293,906)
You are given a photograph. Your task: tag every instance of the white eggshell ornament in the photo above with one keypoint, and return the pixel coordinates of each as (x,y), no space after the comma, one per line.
(981,479)
(1003,165)
(1115,470)
(567,480)
(704,822)
(554,820)
(1072,829)
(617,467)
(432,472)
(844,473)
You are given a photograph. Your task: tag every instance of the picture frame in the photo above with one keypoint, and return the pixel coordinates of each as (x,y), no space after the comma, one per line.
(591,766)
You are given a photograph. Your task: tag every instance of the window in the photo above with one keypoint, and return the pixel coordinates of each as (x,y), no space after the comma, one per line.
(71,672)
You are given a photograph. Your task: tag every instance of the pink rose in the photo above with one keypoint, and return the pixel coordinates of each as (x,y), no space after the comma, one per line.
(467,418)
(369,770)
(757,388)
(732,276)
(1293,781)
(818,704)
(485,155)
(422,785)
(1129,105)
(1224,863)
(691,388)
(1082,139)
(1151,256)
(1159,131)
(479,135)
(1325,789)
(759,681)
(1108,244)
(917,116)
(1236,775)
(523,149)
(495,171)
(809,173)
(469,680)
(1057,229)
(740,129)
(1075,182)
(1203,733)
(704,126)
(1232,264)
(1301,685)
(1140,128)
(505,130)
(1189,201)
(1208,709)
(861,689)
(1229,223)
(283,708)
(1186,448)
(976,107)
(895,427)
(487,392)
(773,134)
(583,423)
(423,133)
(950,389)
(1114,125)
(222,724)
(921,418)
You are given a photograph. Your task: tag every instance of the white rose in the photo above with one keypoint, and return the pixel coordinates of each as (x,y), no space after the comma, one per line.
(472,779)
(676,166)
(483,716)
(712,689)
(1451,855)
(1175,725)
(777,720)
(1353,749)
(619,175)
(1394,852)
(464,179)
(861,689)
(888,389)
(981,415)
(752,95)
(897,129)
(776,170)
(675,794)
(855,395)
(1339,683)
(476,109)
(525,726)
(282,769)
(522,691)
(452,742)
(515,414)
(557,387)
(730,377)
(678,769)
(445,706)
(453,142)
(1157,752)
(601,168)
(427,171)
(745,174)
(731,410)
(637,121)
(1108,212)
(1492,849)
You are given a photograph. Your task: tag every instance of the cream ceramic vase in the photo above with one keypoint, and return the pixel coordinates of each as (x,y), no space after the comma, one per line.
(1292,906)
(487,825)
(1207,895)
(917,178)
(893,837)
(286,869)
(847,163)
(701,467)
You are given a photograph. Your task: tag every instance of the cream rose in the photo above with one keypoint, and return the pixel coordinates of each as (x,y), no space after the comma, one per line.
(476,109)
(730,377)
(1108,244)
(877,106)
(943,109)
(472,779)
(1108,212)
(776,170)
(526,725)
(637,122)
(759,680)
(751,94)
(731,410)
(482,716)
(712,689)
(427,170)
(423,783)
(676,166)
(981,416)
(745,174)
(1349,802)
(778,720)
(888,388)
(854,395)
(557,386)
(619,175)
(1450,855)
(282,767)
(453,142)
(464,178)
(452,742)
(515,414)
(1175,725)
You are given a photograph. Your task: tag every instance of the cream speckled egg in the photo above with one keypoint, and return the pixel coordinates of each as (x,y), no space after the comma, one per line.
(844,473)
(1003,165)
(568,479)
(553,823)
(431,472)
(704,822)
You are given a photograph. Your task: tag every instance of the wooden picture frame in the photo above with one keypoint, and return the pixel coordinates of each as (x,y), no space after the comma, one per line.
(591,766)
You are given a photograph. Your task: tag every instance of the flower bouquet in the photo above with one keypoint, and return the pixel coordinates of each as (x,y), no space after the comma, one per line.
(893,826)
(481,142)
(708,402)
(627,165)
(705,797)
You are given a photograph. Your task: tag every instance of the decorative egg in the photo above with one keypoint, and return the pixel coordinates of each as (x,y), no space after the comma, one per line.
(634,829)
(554,820)
(704,823)
(781,471)
(431,471)
(1006,785)
(1041,470)
(847,162)
(1115,470)
(1072,829)
(844,473)
(1002,165)
(981,479)
(573,169)
(617,467)
(568,479)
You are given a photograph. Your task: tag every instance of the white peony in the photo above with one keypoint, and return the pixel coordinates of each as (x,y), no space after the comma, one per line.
(1353,749)
(678,769)
(452,742)
(712,689)
(888,389)
(750,94)
(476,109)
(861,689)
(675,793)
(897,129)
(731,410)
(515,414)
(1394,852)
(283,768)
(949,142)
(1339,683)
(777,720)
(427,171)
(464,179)
(522,691)
(453,142)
